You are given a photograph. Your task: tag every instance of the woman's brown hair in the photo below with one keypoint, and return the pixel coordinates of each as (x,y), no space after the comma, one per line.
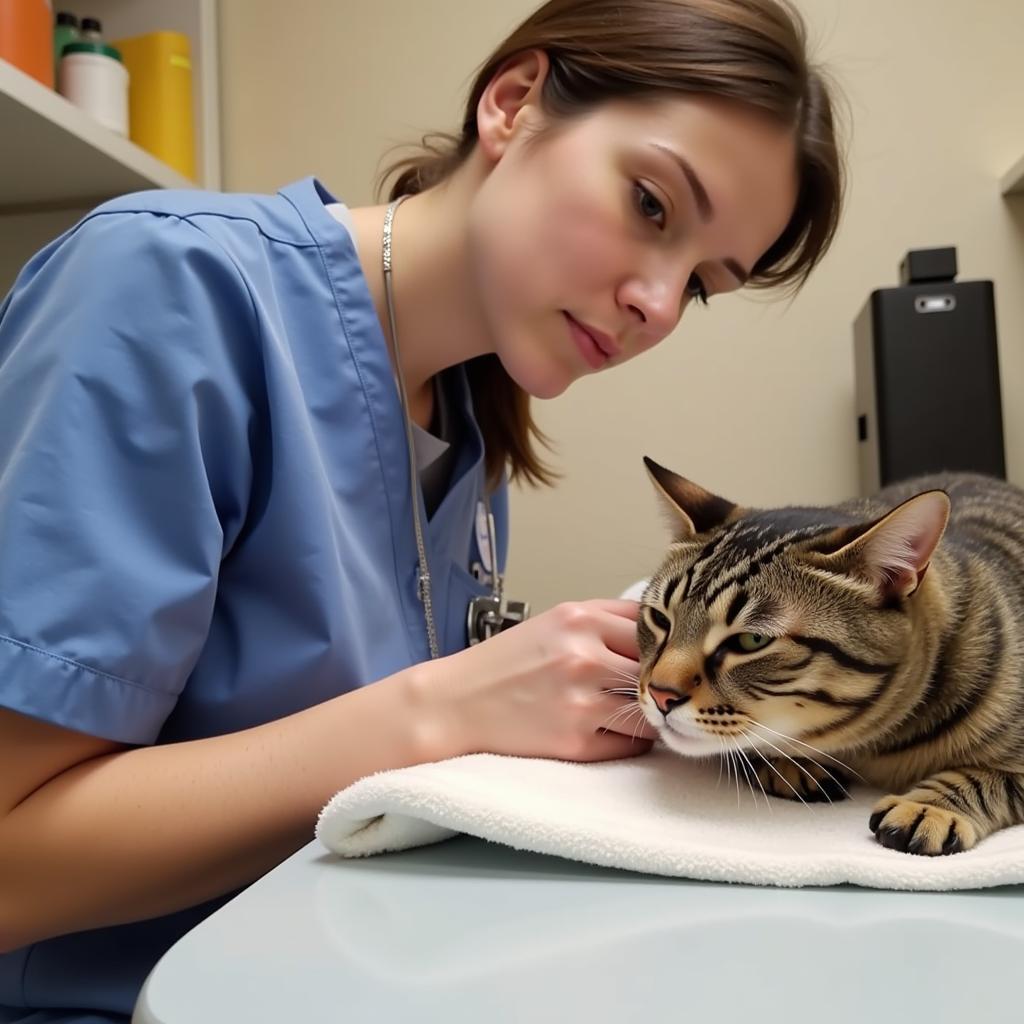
(750,51)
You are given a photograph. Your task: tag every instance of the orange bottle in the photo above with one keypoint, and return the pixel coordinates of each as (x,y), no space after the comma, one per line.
(26,37)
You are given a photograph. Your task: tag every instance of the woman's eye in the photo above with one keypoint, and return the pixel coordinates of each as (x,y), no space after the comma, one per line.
(650,208)
(648,204)
(660,619)
(748,642)
(696,290)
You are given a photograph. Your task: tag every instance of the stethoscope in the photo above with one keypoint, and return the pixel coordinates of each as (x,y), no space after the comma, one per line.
(487,615)
(493,613)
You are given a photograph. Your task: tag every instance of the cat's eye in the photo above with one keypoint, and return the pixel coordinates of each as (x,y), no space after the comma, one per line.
(750,642)
(660,619)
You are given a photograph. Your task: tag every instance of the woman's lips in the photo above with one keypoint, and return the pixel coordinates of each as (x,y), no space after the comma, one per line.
(590,350)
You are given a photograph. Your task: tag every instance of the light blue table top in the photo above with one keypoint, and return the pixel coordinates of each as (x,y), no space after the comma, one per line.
(468,930)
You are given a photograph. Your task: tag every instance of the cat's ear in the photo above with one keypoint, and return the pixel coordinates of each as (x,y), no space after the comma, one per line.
(894,552)
(691,509)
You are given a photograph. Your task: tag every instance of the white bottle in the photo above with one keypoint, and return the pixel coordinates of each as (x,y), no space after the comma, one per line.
(92,77)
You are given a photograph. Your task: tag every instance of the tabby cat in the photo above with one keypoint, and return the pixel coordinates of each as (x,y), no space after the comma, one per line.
(816,643)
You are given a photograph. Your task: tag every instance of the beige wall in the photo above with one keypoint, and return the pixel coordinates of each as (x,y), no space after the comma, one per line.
(750,398)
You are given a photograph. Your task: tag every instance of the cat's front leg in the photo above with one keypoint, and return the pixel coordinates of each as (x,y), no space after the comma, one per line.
(799,778)
(950,811)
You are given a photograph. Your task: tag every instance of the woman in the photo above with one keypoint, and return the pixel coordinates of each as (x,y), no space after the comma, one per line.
(208,538)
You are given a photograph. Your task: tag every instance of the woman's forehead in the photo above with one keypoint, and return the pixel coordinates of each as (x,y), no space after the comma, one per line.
(744,159)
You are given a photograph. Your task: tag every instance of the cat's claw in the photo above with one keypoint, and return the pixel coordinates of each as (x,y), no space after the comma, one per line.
(912,827)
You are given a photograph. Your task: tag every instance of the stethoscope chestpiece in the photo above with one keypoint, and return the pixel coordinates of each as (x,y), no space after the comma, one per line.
(491,614)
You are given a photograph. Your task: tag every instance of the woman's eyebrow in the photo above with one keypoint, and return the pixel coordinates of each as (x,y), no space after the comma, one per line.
(705,210)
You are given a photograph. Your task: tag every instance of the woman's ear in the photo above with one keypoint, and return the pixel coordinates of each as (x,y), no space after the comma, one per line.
(691,509)
(515,85)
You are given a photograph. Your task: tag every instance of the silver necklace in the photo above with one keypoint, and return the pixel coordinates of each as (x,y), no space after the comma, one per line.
(487,615)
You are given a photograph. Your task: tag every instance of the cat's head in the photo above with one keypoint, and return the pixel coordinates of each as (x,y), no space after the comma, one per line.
(763,624)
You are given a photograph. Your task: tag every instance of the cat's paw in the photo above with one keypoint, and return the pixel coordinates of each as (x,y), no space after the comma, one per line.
(912,827)
(802,779)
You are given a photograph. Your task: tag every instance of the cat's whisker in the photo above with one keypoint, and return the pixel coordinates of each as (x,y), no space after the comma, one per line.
(617,683)
(746,774)
(626,673)
(640,721)
(639,724)
(614,691)
(756,778)
(629,691)
(813,761)
(733,763)
(793,739)
(800,768)
(724,761)
(623,712)
(609,723)
(721,760)
(632,682)
(780,775)
(621,673)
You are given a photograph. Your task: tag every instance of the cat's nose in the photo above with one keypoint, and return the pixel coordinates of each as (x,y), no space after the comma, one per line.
(665,699)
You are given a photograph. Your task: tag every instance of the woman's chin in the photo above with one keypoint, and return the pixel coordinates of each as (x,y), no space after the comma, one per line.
(542,375)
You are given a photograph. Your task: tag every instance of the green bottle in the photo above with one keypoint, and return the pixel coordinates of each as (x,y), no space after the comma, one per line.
(65,31)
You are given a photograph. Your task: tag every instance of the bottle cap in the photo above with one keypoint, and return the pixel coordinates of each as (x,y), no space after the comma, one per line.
(67,18)
(86,47)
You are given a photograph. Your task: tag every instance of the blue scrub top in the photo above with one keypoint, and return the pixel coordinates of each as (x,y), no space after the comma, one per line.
(205,510)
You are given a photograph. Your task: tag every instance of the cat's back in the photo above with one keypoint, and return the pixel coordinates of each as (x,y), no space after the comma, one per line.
(973,498)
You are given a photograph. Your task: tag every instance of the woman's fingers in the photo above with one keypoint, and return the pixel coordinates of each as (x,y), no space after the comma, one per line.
(608,746)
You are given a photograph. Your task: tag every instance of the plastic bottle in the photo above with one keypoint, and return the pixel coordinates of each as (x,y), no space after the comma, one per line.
(26,38)
(92,30)
(160,97)
(92,77)
(65,31)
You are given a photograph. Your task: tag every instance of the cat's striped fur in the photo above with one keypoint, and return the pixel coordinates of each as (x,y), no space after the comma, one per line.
(872,634)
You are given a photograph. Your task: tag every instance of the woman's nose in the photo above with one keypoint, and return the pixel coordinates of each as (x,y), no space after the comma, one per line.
(657,303)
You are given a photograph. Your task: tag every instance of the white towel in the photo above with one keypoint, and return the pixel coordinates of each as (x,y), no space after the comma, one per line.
(657,813)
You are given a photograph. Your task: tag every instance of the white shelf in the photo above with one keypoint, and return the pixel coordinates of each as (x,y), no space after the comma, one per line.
(1012,182)
(57,162)
(58,156)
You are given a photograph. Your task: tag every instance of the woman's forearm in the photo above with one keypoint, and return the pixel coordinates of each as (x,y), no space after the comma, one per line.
(148,831)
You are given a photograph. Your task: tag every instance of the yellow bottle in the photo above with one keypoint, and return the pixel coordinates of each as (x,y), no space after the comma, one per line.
(160,97)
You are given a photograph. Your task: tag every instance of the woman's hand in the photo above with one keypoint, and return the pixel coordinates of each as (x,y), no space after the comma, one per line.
(561,684)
